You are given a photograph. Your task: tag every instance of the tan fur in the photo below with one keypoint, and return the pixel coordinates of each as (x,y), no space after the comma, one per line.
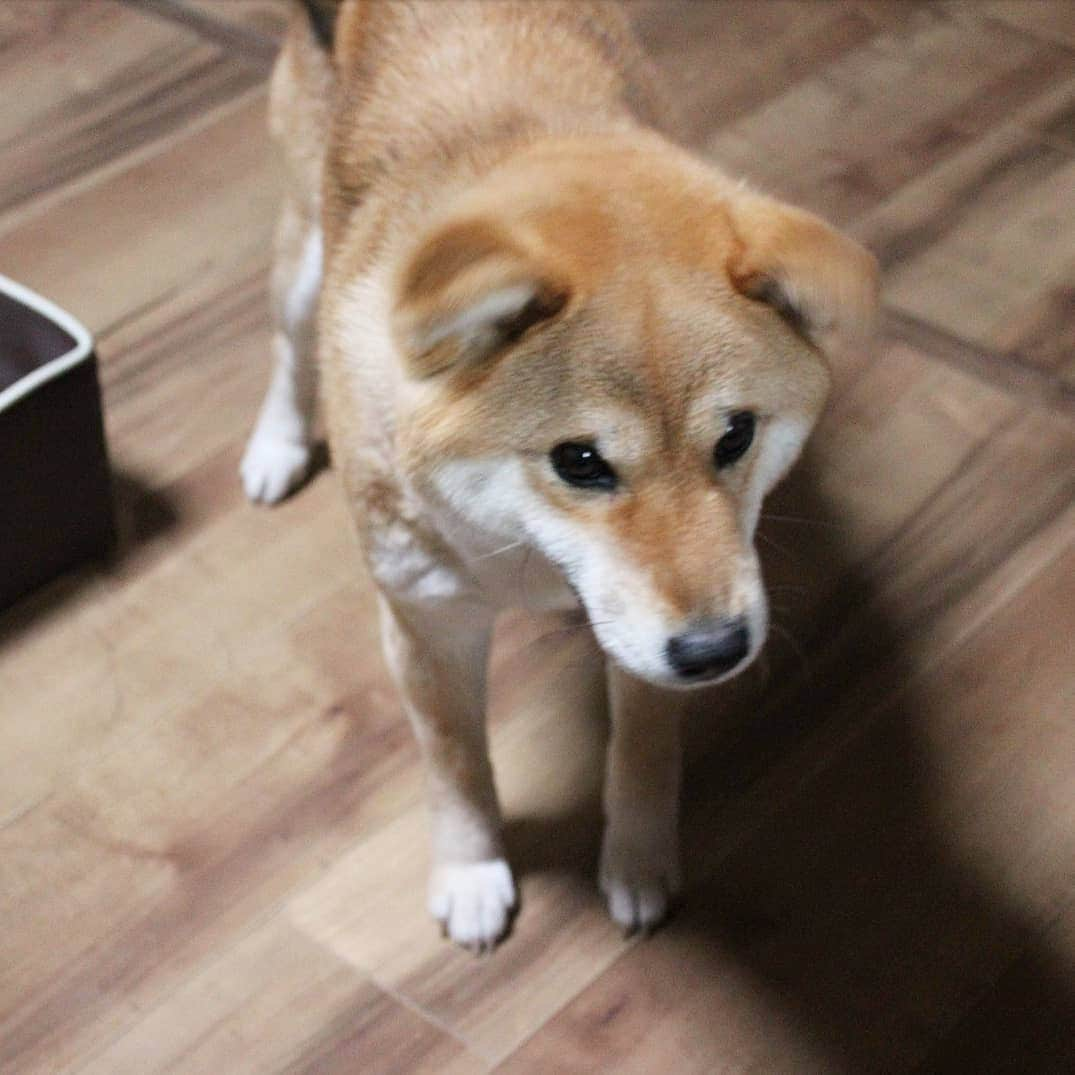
(514,258)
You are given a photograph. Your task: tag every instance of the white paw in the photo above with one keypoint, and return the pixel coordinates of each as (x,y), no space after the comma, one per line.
(472,901)
(639,877)
(272,467)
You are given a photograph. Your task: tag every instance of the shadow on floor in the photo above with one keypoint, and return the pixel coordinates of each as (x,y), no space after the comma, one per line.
(142,515)
(842,898)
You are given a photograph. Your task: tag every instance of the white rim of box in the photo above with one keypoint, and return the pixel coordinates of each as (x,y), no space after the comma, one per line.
(75,329)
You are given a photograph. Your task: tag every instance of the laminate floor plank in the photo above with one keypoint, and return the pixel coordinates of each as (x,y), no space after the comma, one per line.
(201,204)
(849,136)
(177,883)
(985,273)
(266,17)
(276,1002)
(1011,1028)
(1053,19)
(763,49)
(939,142)
(212,841)
(146,645)
(87,84)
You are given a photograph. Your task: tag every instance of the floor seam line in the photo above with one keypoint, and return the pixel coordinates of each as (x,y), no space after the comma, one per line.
(1008,371)
(252,45)
(35,208)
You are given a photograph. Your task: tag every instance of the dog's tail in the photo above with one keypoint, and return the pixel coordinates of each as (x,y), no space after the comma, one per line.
(322,16)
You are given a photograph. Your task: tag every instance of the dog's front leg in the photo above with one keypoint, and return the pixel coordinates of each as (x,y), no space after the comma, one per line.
(438,657)
(640,851)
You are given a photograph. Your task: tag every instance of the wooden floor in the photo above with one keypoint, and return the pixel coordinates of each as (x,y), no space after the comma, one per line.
(211,835)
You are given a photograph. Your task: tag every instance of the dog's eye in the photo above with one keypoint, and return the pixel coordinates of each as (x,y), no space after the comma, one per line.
(736,440)
(582,465)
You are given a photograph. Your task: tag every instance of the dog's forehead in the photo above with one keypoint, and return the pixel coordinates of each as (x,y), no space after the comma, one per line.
(662,337)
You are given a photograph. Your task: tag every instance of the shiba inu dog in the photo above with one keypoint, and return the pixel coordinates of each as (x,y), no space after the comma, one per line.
(546,335)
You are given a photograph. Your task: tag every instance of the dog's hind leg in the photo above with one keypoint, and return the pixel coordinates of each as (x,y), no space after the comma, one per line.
(277,455)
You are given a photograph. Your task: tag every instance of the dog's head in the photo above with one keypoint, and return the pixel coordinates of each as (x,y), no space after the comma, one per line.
(613,355)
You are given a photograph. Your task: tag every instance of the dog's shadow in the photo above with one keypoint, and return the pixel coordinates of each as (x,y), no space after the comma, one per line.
(815,857)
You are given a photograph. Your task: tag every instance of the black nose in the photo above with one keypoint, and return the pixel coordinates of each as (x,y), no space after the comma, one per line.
(709,649)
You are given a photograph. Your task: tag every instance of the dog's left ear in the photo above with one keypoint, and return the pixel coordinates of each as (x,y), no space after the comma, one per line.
(472,288)
(824,284)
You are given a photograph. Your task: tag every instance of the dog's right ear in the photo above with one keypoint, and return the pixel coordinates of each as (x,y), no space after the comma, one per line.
(470,290)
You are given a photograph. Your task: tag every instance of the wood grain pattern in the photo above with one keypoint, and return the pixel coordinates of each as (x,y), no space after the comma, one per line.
(267,18)
(204,203)
(211,822)
(275,1002)
(938,142)
(1052,19)
(131,81)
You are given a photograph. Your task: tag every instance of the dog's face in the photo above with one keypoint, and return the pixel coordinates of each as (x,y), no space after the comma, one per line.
(616,373)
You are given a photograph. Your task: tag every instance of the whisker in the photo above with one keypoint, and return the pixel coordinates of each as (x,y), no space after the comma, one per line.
(797,519)
(765,669)
(522,573)
(502,549)
(571,628)
(794,644)
(779,548)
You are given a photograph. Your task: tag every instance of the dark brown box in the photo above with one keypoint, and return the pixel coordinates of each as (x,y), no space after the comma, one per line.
(55,495)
